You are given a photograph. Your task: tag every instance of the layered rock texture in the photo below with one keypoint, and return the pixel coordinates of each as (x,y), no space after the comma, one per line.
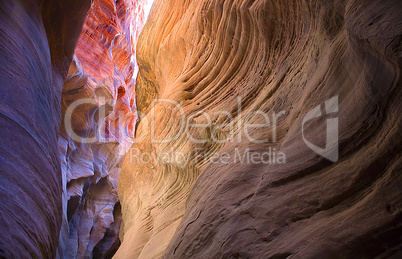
(37,44)
(225,64)
(99,115)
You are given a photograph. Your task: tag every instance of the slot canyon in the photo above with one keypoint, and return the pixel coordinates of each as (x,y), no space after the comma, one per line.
(200,129)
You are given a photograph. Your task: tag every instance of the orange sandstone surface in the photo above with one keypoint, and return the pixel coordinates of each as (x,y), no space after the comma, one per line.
(330,73)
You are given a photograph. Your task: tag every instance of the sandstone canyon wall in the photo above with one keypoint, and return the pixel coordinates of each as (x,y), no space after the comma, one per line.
(66,198)
(223,63)
(37,43)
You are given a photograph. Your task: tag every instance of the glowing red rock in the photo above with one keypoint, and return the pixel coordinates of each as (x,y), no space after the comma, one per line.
(104,70)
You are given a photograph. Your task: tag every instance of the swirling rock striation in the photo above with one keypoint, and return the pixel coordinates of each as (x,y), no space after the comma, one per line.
(229,59)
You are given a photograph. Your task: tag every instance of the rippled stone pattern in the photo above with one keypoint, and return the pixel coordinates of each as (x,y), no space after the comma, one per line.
(103,72)
(276,56)
(37,41)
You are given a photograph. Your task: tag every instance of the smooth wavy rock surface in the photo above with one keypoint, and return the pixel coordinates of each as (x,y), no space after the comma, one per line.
(37,40)
(230,58)
(100,83)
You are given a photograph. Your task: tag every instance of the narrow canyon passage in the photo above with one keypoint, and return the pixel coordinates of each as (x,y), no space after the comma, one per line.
(200,129)
(98,119)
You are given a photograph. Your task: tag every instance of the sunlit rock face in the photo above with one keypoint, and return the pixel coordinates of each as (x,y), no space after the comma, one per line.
(98,132)
(37,44)
(282,59)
